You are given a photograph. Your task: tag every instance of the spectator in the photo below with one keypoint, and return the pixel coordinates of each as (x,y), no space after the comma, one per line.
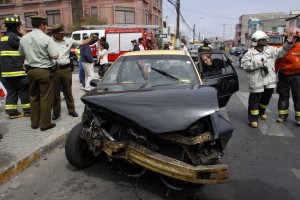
(102,53)
(88,64)
(141,41)
(184,48)
(166,46)
(171,46)
(210,67)
(81,70)
(135,45)
(105,44)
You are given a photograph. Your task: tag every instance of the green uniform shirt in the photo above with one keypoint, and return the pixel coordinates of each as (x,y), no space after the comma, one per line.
(38,49)
(64,48)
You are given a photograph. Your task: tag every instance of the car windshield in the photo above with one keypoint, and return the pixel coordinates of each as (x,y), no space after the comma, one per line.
(154,70)
(196,47)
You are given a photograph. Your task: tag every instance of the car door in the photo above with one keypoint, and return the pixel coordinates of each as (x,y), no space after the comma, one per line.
(225,81)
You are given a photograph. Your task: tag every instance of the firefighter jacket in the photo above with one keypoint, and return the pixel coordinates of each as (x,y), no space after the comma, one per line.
(254,62)
(290,63)
(204,48)
(10,61)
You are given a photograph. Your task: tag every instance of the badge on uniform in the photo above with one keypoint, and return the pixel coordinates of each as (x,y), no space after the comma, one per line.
(67,45)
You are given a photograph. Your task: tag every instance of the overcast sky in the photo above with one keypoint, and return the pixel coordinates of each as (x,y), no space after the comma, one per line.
(210,15)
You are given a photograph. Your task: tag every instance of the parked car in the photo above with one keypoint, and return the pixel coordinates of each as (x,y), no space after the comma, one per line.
(241,56)
(238,51)
(232,50)
(152,111)
(194,51)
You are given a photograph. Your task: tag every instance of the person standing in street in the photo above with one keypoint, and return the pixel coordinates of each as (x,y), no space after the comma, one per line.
(88,64)
(184,48)
(289,78)
(12,70)
(39,49)
(63,76)
(259,63)
(135,45)
(81,70)
(102,53)
(205,47)
(141,41)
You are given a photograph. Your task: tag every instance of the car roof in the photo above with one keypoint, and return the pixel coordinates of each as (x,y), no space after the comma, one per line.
(155,52)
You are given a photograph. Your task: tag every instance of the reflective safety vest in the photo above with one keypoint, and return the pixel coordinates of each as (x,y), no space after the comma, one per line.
(10,60)
(290,63)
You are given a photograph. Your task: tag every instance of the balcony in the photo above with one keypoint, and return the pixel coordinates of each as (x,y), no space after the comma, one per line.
(30,1)
(4,3)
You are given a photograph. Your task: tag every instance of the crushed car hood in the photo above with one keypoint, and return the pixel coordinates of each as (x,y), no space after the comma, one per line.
(158,111)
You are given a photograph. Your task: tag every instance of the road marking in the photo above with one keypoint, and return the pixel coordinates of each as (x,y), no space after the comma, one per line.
(269,126)
(297,173)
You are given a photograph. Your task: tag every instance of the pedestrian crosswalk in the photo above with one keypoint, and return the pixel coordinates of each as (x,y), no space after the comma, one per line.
(269,126)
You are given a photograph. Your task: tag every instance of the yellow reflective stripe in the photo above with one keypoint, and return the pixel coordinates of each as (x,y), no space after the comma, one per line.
(254,112)
(9,53)
(283,112)
(263,106)
(11,106)
(13,74)
(4,38)
(27,105)
(297,114)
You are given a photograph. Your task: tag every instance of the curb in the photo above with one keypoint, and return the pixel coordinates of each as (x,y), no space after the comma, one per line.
(32,154)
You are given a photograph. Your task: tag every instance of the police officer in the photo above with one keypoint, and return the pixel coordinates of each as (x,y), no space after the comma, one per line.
(39,49)
(259,64)
(16,81)
(63,76)
(205,46)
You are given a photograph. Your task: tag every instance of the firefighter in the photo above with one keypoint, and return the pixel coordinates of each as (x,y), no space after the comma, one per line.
(289,78)
(205,46)
(12,70)
(259,65)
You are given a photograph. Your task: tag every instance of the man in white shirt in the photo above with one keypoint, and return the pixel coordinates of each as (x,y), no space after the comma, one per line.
(141,41)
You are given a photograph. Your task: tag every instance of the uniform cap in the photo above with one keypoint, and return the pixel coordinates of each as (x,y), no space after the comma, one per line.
(58,28)
(132,41)
(41,18)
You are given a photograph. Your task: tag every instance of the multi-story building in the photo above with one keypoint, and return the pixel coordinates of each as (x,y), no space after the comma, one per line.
(69,12)
(269,20)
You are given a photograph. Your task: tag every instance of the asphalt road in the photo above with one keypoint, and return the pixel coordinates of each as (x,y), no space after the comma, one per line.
(264,164)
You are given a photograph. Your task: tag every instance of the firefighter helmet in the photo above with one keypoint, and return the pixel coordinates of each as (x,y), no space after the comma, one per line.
(258,35)
(293,31)
(205,41)
(13,20)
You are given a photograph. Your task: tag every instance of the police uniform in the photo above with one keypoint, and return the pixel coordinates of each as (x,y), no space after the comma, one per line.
(38,49)
(16,82)
(63,76)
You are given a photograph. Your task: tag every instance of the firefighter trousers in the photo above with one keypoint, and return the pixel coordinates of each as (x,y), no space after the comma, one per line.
(17,87)
(258,103)
(284,86)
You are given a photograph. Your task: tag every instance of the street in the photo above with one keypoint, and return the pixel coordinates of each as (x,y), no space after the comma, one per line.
(263,164)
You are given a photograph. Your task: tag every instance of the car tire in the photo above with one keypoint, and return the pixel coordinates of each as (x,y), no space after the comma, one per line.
(76,149)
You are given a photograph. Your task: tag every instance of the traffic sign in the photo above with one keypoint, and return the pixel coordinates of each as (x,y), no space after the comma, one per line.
(161,35)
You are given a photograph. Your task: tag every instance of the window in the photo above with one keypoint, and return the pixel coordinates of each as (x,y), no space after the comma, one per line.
(53,17)
(6,2)
(124,15)
(147,18)
(94,11)
(28,19)
(156,20)
(25,1)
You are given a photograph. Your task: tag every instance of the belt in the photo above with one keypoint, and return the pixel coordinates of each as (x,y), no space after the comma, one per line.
(29,67)
(59,67)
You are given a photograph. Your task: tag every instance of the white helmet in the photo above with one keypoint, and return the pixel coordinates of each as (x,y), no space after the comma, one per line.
(258,35)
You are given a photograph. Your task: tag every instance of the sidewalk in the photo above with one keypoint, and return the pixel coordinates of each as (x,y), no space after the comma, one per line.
(21,145)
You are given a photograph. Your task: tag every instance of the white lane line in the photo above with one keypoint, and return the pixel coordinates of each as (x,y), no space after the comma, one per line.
(269,126)
(297,173)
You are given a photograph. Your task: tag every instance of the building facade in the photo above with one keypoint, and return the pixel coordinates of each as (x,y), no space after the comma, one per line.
(269,20)
(69,12)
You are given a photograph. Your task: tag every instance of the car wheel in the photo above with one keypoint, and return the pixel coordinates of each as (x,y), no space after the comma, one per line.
(77,150)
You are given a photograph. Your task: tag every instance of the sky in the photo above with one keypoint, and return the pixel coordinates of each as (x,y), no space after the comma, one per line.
(209,16)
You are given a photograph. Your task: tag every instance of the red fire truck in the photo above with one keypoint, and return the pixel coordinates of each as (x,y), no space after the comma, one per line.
(119,40)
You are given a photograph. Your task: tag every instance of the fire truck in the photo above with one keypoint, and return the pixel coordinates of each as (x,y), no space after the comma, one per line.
(119,39)
(275,38)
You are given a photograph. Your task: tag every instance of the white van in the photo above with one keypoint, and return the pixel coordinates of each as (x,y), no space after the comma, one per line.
(78,35)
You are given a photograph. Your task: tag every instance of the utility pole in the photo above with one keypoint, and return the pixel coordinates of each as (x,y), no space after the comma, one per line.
(194,34)
(177,23)
(224,32)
